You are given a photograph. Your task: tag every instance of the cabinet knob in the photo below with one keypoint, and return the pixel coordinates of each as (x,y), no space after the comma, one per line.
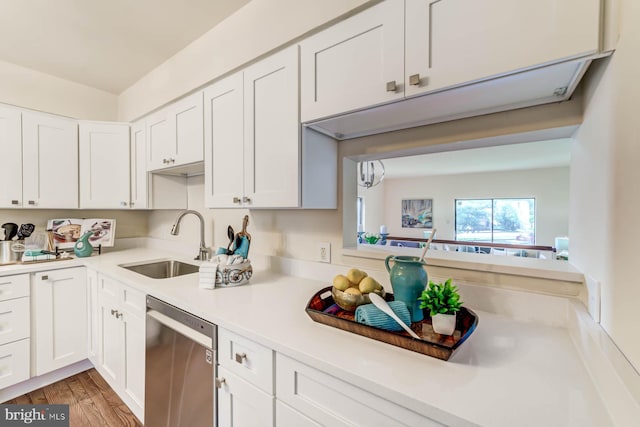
(32,202)
(414,80)
(113,312)
(119,315)
(391,86)
(220,381)
(131,204)
(165,161)
(123,204)
(240,357)
(236,200)
(15,202)
(172,160)
(246,199)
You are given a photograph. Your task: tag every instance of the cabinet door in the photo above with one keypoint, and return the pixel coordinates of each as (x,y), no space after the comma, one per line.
(134,360)
(60,313)
(11,171)
(111,330)
(49,161)
(160,143)
(139,182)
(224,152)
(92,317)
(14,320)
(104,165)
(286,416)
(349,65)
(187,130)
(272,132)
(458,41)
(242,405)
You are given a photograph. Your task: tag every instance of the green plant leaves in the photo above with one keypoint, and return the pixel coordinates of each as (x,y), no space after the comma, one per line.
(440,298)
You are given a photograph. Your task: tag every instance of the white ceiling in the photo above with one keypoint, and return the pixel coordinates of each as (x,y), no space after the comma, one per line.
(532,155)
(107,44)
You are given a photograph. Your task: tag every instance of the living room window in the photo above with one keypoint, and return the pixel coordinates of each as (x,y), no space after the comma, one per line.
(495,220)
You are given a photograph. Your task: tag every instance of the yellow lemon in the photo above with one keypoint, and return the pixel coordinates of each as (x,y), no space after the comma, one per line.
(355,276)
(341,282)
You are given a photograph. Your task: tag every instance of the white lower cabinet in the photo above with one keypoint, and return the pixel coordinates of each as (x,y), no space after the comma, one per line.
(328,400)
(59,301)
(241,404)
(286,416)
(120,329)
(14,330)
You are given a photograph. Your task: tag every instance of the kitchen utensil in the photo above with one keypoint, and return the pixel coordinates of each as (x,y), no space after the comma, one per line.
(11,251)
(246,239)
(231,235)
(426,247)
(10,230)
(379,302)
(25,230)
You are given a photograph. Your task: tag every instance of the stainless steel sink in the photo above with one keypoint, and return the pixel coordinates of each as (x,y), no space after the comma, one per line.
(163,269)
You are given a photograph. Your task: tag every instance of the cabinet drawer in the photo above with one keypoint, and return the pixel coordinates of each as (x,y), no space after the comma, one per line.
(242,405)
(134,301)
(14,363)
(331,401)
(14,320)
(14,286)
(247,359)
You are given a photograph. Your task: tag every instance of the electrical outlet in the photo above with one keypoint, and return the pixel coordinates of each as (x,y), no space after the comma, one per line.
(324,252)
(593,293)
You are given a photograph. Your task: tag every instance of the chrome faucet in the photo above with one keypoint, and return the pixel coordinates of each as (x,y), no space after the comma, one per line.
(203,254)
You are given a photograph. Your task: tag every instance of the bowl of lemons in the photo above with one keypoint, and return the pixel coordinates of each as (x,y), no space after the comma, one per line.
(351,290)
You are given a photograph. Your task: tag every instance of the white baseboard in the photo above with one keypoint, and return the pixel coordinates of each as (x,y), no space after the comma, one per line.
(44,380)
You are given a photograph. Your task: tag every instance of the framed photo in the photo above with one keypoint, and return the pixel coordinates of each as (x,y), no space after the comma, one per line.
(417,213)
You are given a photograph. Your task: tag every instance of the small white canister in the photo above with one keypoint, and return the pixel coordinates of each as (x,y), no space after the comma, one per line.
(229,275)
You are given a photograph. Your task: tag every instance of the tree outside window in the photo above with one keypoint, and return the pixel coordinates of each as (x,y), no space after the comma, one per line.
(496,220)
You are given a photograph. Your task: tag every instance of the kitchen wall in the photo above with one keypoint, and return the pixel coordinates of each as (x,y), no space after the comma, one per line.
(604,194)
(255,30)
(128,223)
(32,89)
(549,186)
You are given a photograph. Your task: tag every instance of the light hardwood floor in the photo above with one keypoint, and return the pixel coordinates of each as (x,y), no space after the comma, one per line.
(91,401)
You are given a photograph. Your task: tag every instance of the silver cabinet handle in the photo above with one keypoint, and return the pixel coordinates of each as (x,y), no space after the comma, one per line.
(165,161)
(220,381)
(172,160)
(119,315)
(240,357)
(123,204)
(45,277)
(32,202)
(236,200)
(391,86)
(113,312)
(246,199)
(131,204)
(414,80)
(15,202)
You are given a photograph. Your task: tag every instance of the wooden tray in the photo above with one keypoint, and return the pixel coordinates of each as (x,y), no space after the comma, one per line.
(323,309)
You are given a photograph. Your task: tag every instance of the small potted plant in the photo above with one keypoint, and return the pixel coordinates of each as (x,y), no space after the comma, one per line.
(443,302)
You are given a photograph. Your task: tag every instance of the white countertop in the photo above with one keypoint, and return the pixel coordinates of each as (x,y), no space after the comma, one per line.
(508,373)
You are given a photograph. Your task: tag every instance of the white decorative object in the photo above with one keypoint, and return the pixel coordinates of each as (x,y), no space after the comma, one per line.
(383,229)
(444,324)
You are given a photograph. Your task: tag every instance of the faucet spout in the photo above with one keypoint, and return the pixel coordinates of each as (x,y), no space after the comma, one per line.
(203,253)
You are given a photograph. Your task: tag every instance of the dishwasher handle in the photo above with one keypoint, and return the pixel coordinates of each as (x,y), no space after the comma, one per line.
(201,339)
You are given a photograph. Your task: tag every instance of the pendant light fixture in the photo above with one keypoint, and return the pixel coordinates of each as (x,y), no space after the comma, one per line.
(370,173)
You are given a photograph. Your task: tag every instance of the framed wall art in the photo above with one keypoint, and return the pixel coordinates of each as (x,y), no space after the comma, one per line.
(417,213)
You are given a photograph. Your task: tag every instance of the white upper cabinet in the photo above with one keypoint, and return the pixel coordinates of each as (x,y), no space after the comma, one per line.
(104,165)
(224,143)
(139,181)
(175,134)
(50,161)
(272,131)
(449,42)
(254,154)
(355,63)
(11,171)
(411,47)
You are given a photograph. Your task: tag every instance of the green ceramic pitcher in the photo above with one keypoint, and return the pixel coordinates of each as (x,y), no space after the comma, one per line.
(408,280)
(83,248)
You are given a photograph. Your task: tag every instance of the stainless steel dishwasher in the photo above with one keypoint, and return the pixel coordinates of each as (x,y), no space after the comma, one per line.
(181,361)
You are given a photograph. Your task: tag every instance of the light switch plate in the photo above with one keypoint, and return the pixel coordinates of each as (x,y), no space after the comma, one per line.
(593,292)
